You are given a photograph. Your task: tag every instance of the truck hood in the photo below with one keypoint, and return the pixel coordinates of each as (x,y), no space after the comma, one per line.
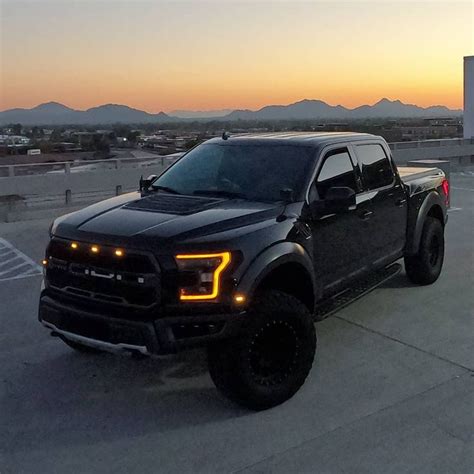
(164,216)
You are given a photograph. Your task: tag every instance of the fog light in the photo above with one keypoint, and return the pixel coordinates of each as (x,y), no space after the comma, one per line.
(74,246)
(119,253)
(95,249)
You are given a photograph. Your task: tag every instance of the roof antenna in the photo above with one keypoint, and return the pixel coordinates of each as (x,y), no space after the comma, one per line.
(225,135)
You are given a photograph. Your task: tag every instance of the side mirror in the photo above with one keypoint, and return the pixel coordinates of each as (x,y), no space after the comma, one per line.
(146,183)
(339,199)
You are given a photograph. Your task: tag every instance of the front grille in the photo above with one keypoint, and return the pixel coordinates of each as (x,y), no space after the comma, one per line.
(131,280)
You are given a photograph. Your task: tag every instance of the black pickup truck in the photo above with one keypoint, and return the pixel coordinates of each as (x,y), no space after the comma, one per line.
(240,246)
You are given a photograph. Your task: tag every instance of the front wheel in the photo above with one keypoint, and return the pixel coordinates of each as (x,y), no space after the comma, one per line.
(424,268)
(268,363)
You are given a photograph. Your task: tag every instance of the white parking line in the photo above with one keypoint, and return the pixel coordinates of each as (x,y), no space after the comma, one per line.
(23,267)
(12,269)
(462,189)
(10,258)
(453,209)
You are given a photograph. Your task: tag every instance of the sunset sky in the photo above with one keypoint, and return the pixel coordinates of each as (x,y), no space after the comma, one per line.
(196,55)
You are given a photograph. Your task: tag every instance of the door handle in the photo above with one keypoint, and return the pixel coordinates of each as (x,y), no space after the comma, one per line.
(365,215)
(400,202)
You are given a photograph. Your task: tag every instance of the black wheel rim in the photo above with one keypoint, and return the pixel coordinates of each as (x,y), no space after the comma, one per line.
(273,352)
(433,251)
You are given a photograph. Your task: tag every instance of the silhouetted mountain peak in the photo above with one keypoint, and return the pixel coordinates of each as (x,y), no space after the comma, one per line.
(113,107)
(52,107)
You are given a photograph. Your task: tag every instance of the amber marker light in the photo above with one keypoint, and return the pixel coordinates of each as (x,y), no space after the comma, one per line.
(95,249)
(74,245)
(239,299)
(44,262)
(119,252)
(193,260)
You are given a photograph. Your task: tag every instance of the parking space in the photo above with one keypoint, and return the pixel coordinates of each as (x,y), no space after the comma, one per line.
(15,264)
(391,390)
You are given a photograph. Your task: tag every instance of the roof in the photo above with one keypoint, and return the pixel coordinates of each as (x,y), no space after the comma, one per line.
(313,139)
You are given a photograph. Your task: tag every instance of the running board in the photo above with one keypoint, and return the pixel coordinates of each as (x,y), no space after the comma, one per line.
(358,289)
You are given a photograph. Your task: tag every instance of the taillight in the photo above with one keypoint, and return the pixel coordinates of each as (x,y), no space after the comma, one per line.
(445,188)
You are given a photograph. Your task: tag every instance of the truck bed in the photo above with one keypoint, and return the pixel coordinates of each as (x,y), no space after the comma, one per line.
(408,174)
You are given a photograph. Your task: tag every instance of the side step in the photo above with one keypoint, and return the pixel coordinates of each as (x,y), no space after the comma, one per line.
(359,288)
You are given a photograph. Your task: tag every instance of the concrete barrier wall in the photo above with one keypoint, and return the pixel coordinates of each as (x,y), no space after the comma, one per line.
(44,184)
(460,152)
(32,196)
(27,187)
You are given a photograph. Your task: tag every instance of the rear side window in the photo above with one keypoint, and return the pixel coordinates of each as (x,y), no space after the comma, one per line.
(376,169)
(337,170)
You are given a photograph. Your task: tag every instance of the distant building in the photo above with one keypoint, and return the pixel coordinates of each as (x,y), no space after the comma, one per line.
(428,132)
(12,140)
(13,144)
(469,97)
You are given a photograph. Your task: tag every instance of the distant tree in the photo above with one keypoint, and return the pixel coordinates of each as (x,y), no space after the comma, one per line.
(46,147)
(36,133)
(121,130)
(192,143)
(101,146)
(17,129)
(56,136)
(132,136)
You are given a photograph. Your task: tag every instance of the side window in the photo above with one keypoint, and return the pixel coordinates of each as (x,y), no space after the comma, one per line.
(376,169)
(337,170)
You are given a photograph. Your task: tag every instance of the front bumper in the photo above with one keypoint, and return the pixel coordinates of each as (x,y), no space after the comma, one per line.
(161,336)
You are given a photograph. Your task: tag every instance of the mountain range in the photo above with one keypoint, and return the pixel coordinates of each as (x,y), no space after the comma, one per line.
(310,109)
(53,113)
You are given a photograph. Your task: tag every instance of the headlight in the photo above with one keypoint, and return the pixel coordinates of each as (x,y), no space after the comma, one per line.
(201,274)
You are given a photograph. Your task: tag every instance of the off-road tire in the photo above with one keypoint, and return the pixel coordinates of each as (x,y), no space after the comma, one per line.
(270,359)
(425,267)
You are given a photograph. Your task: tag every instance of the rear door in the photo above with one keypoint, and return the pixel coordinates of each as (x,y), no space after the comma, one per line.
(339,240)
(384,190)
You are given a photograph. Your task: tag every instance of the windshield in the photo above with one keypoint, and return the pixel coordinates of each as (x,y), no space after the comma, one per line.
(254,172)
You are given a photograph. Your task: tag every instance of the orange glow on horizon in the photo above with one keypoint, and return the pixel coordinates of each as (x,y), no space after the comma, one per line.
(164,56)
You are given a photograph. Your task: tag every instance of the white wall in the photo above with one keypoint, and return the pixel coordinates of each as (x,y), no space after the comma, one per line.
(469,97)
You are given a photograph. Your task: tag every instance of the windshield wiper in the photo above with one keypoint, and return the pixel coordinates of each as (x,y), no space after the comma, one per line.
(164,188)
(219,192)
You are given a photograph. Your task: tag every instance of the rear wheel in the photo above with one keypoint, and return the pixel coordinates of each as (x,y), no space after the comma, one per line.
(425,267)
(268,363)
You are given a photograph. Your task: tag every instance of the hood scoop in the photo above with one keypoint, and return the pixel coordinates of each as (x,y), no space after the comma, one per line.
(172,204)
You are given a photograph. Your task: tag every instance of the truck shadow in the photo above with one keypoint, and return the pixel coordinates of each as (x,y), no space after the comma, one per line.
(79,399)
(399,281)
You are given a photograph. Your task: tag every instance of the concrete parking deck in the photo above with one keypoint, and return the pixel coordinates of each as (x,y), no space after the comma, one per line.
(391,390)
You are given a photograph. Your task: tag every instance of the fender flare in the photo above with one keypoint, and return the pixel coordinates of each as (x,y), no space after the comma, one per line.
(414,238)
(270,259)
